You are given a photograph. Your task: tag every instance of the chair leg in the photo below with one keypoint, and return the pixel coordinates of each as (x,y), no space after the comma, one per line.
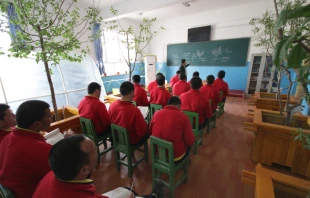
(129,164)
(171,185)
(201,137)
(118,158)
(105,144)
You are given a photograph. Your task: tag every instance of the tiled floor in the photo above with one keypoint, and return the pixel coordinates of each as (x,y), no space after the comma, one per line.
(215,172)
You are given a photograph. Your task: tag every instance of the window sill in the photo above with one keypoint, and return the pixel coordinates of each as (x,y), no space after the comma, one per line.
(113,75)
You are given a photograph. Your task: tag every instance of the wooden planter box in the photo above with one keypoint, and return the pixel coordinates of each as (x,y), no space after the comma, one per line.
(70,120)
(274,142)
(268,101)
(271,184)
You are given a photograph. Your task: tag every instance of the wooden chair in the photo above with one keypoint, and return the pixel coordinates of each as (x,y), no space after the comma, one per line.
(163,162)
(153,109)
(220,106)
(89,131)
(5,193)
(194,119)
(211,124)
(122,145)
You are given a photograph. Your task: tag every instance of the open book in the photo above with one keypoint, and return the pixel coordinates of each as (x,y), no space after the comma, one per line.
(118,193)
(144,111)
(53,137)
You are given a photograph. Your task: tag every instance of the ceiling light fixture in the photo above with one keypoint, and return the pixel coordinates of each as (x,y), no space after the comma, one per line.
(186,4)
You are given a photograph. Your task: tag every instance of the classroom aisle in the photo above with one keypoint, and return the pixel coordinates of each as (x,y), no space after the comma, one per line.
(215,172)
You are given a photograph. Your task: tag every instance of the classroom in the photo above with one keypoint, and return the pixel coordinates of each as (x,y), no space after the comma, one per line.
(154,99)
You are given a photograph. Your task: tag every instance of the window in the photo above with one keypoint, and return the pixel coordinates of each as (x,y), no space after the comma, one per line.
(115,52)
(4,36)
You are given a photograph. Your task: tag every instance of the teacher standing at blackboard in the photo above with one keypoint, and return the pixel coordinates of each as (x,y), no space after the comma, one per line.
(183,66)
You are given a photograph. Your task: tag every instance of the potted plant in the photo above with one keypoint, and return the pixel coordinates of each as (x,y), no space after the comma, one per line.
(274,142)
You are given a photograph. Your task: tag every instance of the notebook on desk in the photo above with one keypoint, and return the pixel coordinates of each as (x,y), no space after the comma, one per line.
(53,137)
(119,193)
(144,110)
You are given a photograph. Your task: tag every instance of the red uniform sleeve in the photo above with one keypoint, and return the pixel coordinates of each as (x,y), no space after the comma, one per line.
(141,127)
(226,89)
(189,136)
(41,160)
(208,109)
(144,100)
(103,114)
(217,96)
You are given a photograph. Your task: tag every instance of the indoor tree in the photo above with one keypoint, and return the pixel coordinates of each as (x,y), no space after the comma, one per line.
(50,30)
(134,43)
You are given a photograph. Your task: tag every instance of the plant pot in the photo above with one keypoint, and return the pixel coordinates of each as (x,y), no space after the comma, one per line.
(268,101)
(70,119)
(274,143)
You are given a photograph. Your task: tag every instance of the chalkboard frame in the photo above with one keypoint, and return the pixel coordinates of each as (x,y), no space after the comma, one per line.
(224,52)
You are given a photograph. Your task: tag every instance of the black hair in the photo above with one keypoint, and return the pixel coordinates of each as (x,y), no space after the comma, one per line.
(182,76)
(29,112)
(196,74)
(221,74)
(183,60)
(196,83)
(66,157)
(136,79)
(210,79)
(92,87)
(3,108)
(126,87)
(160,80)
(178,71)
(174,100)
(159,74)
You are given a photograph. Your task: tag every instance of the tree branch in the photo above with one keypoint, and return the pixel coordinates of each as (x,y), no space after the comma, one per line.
(56,15)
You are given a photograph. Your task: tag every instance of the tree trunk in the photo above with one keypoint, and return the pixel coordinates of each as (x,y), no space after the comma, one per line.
(49,79)
(288,108)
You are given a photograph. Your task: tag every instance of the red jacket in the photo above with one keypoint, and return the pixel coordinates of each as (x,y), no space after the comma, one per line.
(3,134)
(194,101)
(189,83)
(180,87)
(221,85)
(212,93)
(23,161)
(172,125)
(174,79)
(152,86)
(51,187)
(160,96)
(92,108)
(126,115)
(140,96)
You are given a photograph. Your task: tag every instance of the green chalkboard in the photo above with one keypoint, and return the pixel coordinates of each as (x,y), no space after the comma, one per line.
(230,52)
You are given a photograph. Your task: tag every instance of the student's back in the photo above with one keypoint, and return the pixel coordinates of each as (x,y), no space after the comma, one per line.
(140,95)
(160,96)
(211,92)
(221,85)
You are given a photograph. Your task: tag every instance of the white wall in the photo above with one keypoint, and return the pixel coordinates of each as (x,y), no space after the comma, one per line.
(226,23)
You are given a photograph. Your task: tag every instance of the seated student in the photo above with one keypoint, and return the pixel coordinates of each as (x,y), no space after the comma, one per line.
(126,115)
(211,92)
(140,95)
(7,121)
(194,101)
(177,128)
(72,161)
(174,79)
(92,108)
(152,85)
(195,74)
(181,86)
(24,152)
(160,95)
(221,85)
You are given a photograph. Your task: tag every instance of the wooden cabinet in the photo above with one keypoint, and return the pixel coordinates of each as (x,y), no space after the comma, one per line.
(260,72)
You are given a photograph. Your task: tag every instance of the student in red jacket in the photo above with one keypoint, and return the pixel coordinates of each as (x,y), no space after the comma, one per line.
(194,101)
(180,134)
(24,152)
(73,160)
(126,115)
(152,85)
(92,108)
(174,79)
(195,74)
(181,86)
(160,95)
(211,92)
(7,121)
(140,95)
(221,85)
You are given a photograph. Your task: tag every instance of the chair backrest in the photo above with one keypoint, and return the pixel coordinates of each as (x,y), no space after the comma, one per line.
(120,137)
(88,129)
(134,103)
(162,152)
(154,108)
(194,119)
(5,193)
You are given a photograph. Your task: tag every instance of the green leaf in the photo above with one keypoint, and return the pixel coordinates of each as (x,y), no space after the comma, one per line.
(281,49)
(296,56)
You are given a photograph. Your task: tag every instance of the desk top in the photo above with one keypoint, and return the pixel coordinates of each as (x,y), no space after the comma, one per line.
(144,110)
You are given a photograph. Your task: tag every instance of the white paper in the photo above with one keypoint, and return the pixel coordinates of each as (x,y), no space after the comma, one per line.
(118,193)
(144,111)
(53,137)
